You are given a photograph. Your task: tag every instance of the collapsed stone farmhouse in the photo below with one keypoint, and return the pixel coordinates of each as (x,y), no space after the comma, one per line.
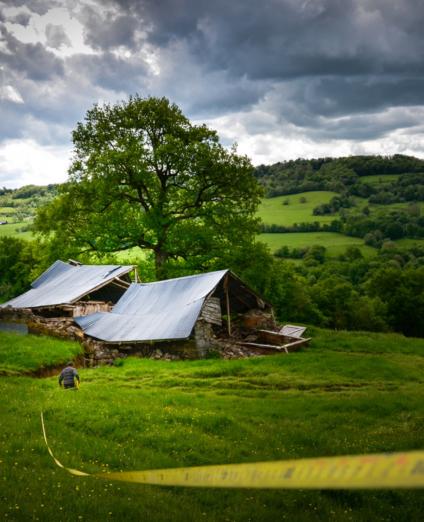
(184,317)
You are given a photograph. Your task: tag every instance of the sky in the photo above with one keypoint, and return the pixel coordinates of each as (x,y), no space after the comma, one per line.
(281,78)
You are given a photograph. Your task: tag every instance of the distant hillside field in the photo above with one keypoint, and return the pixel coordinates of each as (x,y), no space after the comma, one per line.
(361,201)
(379,179)
(272,210)
(334,243)
(13,229)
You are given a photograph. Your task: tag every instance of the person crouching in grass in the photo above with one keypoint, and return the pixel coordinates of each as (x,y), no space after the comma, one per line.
(69,377)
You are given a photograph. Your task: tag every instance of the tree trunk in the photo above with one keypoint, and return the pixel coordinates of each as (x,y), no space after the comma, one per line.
(160,264)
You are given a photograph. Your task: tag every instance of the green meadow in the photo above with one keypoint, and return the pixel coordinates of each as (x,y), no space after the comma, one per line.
(13,229)
(273,211)
(349,393)
(408,243)
(379,180)
(334,242)
(26,353)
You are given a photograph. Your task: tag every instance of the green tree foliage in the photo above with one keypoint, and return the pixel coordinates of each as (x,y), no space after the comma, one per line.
(402,291)
(18,260)
(143,175)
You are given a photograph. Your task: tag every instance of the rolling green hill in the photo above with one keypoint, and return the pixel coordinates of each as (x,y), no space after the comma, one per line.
(334,243)
(291,209)
(359,201)
(394,181)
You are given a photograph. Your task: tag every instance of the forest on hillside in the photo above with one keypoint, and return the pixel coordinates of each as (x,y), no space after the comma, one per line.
(344,175)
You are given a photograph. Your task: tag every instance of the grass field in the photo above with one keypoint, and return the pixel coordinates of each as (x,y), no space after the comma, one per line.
(12,229)
(8,210)
(405,242)
(27,353)
(380,180)
(272,211)
(395,206)
(335,243)
(350,393)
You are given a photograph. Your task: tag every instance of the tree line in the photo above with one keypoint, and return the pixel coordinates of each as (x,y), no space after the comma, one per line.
(344,175)
(374,227)
(383,293)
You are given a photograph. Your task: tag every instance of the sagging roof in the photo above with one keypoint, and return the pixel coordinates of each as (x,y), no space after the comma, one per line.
(164,310)
(65,283)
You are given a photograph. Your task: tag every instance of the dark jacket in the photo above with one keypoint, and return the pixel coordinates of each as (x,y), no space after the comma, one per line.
(68,376)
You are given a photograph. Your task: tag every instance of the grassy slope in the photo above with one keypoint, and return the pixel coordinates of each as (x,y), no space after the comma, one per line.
(406,242)
(25,353)
(272,210)
(379,180)
(334,243)
(11,229)
(348,393)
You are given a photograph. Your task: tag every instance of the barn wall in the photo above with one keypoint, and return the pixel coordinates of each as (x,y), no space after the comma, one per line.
(211,311)
(90,307)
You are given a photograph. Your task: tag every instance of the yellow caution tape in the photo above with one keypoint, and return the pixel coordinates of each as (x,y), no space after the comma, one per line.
(390,470)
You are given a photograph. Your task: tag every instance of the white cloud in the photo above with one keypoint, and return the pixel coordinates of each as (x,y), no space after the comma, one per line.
(9,93)
(37,31)
(25,162)
(286,141)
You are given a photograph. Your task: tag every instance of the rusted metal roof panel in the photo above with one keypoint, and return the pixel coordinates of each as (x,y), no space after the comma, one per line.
(163,310)
(63,283)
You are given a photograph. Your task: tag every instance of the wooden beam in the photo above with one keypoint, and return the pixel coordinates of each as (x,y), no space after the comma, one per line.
(122,284)
(227,298)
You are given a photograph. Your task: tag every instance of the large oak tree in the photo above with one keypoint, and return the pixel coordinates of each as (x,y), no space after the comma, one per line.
(143,175)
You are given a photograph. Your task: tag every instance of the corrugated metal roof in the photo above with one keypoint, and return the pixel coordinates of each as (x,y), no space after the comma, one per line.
(63,283)
(163,310)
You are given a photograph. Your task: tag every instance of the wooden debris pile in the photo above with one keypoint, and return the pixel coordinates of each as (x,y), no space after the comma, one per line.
(287,339)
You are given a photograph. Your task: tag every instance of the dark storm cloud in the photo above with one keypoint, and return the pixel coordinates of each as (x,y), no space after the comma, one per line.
(21,19)
(339,57)
(362,127)
(31,60)
(339,96)
(323,66)
(282,39)
(109,72)
(39,7)
(106,30)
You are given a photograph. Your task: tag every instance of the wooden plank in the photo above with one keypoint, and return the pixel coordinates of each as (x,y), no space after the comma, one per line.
(262,345)
(269,336)
(289,347)
(292,347)
(227,297)
(211,311)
